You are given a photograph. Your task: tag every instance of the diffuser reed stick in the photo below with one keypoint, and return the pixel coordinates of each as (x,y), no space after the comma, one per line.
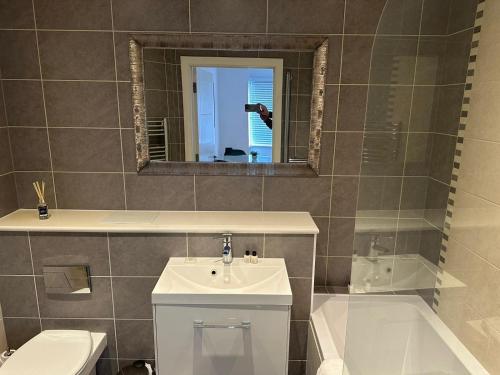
(43,209)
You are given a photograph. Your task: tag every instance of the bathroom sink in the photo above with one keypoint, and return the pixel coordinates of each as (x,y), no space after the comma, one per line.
(209,281)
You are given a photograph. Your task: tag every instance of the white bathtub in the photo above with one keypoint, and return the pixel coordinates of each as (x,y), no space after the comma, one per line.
(386,335)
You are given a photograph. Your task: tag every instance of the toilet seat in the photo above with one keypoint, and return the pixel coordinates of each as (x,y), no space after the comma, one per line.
(52,352)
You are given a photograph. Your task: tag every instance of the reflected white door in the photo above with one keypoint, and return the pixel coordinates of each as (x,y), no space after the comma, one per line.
(205,87)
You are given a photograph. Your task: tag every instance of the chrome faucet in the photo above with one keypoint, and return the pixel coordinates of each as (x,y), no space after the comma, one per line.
(227,250)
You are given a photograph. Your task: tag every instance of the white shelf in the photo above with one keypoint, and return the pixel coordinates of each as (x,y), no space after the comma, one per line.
(161,222)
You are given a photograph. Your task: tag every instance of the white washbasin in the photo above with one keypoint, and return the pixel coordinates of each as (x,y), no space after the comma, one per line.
(209,281)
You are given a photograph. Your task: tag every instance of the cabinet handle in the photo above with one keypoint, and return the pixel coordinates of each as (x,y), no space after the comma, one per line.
(202,324)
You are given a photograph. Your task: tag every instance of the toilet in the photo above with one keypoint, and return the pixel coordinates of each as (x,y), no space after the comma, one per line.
(57,352)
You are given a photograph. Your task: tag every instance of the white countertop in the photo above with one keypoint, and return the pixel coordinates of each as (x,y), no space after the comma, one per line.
(161,222)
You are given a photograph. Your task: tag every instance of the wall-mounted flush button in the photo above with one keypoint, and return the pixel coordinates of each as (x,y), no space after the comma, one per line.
(67,279)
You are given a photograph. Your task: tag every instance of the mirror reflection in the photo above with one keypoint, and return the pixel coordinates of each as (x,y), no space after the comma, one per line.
(228,106)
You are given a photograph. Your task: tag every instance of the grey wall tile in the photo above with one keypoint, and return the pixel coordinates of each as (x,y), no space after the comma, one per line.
(292,17)
(435,17)
(297,194)
(348,153)
(53,249)
(364,16)
(19,331)
(320,271)
(86,150)
(74,15)
(327,152)
(322,239)
(154,15)
(388,105)
(92,104)
(19,54)
(443,150)
(5,156)
(129,159)
(76,55)
(301,290)
(90,191)
(231,16)
(338,271)
(425,103)
(457,57)
(30,149)
(462,15)
(144,255)
(228,193)
(406,12)
(344,193)
(8,195)
(16,14)
(418,154)
(122,57)
(413,196)
(98,304)
(447,114)
(331,103)
(132,297)
(391,150)
(341,237)
(125,98)
(135,338)
(26,195)
(334,58)
(356,59)
(430,245)
(160,192)
(15,254)
(296,250)
(24,103)
(431,60)
(352,108)
(93,325)
(436,203)
(298,340)
(378,193)
(17,294)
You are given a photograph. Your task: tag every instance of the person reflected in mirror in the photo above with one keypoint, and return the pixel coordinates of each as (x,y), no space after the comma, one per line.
(265,115)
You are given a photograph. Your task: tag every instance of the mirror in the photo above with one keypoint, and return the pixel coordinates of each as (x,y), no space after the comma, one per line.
(248,106)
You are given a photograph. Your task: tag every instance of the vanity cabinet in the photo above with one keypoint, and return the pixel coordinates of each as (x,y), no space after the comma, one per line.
(221,340)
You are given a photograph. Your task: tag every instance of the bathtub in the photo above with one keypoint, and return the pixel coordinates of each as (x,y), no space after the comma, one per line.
(386,335)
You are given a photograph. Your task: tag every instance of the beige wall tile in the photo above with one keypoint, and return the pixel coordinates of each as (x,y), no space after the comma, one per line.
(484,111)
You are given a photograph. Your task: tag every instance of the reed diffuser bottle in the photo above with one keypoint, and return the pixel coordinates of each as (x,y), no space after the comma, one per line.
(43,209)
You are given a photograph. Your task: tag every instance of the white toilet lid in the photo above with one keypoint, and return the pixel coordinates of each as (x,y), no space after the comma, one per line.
(51,352)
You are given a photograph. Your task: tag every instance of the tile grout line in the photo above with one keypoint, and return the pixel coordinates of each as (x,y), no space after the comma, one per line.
(329,237)
(118,106)
(44,103)
(34,280)
(113,301)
